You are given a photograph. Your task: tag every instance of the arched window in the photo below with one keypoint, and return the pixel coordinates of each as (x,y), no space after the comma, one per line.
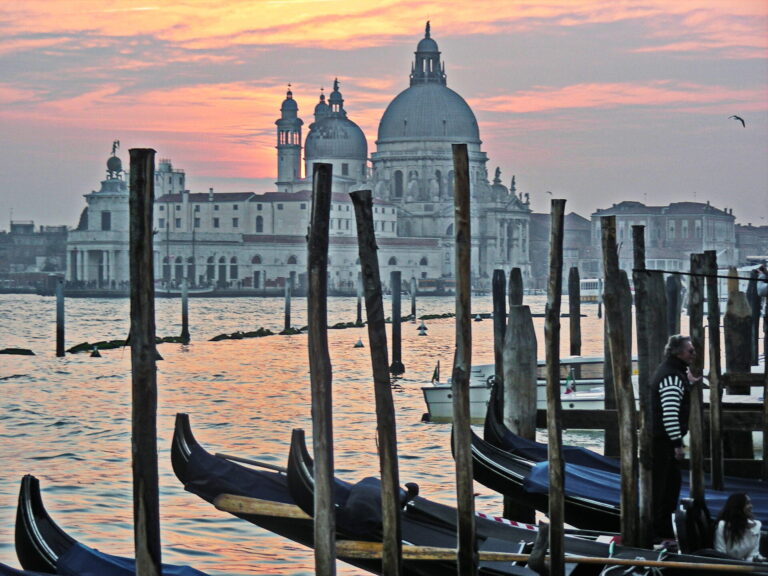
(398,184)
(233,272)
(423,261)
(259,224)
(392,261)
(167,269)
(292,259)
(210,269)
(178,273)
(256,259)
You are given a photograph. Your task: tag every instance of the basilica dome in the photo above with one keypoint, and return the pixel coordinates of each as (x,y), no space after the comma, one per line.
(428,111)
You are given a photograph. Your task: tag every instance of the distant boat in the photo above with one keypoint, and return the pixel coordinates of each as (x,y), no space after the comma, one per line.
(176,292)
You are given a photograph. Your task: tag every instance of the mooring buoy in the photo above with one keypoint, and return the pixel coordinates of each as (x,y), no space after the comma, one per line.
(423,326)
(422,332)
(359,343)
(95,353)
(478,318)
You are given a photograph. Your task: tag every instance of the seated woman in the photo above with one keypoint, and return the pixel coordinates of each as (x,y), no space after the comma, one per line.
(737,533)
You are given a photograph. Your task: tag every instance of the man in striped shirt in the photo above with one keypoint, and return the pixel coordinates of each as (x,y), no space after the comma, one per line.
(670,390)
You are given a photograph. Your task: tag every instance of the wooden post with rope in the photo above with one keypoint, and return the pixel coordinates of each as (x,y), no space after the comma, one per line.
(715,377)
(320,371)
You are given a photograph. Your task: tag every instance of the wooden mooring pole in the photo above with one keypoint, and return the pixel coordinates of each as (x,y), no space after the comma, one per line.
(574,311)
(288,293)
(696,332)
(397,368)
(674,304)
(498,286)
(320,371)
(552,355)
(715,380)
(413,299)
(185,311)
(643,322)
(467,561)
(515,287)
(60,317)
(385,409)
(615,319)
(146,499)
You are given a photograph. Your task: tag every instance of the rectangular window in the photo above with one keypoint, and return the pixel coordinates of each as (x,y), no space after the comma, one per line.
(258,207)
(197,222)
(215,222)
(178,207)
(106,220)
(178,223)
(161,223)
(344,169)
(216,207)
(162,208)
(234,207)
(279,206)
(235,222)
(303,206)
(197,207)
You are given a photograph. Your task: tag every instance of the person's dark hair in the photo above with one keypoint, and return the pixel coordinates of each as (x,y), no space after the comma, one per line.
(735,518)
(675,345)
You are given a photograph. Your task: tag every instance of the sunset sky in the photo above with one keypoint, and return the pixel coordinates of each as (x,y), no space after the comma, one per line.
(594,101)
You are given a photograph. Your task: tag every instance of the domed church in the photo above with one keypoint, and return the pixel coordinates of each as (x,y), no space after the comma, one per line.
(256,241)
(412,167)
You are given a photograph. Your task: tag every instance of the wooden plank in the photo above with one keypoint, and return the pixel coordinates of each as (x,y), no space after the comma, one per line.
(386,428)
(320,371)
(146,498)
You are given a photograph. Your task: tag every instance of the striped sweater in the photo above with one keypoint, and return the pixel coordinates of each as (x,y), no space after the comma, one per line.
(670,392)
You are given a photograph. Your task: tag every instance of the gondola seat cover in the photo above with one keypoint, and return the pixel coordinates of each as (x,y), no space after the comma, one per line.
(81,560)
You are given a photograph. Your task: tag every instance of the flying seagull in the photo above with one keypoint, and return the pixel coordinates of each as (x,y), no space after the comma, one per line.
(739,118)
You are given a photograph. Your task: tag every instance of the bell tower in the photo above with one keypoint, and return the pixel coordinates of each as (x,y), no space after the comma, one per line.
(288,144)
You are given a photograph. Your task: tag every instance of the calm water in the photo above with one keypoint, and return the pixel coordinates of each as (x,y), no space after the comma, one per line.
(68,420)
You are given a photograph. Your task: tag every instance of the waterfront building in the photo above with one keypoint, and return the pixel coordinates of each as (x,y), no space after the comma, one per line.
(256,241)
(672,233)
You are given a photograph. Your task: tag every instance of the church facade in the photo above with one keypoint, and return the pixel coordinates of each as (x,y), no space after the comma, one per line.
(247,240)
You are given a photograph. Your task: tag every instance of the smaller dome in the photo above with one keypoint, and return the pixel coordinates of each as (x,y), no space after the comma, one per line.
(289,104)
(427,45)
(322,108)
(114,165)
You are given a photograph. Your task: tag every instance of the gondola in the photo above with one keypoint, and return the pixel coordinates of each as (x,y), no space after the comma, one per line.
(210,476)
(420,513)
(43,547)
(517,468)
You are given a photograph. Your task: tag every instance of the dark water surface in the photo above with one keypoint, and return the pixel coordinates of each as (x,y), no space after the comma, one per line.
(68,420)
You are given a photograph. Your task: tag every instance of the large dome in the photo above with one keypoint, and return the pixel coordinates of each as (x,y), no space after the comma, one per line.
(336,137)
(428,111)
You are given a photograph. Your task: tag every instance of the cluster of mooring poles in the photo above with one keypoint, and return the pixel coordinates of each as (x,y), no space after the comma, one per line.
(657,315)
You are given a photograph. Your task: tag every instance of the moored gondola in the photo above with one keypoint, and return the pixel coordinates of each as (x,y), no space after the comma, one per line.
(517,468)
(43,547)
